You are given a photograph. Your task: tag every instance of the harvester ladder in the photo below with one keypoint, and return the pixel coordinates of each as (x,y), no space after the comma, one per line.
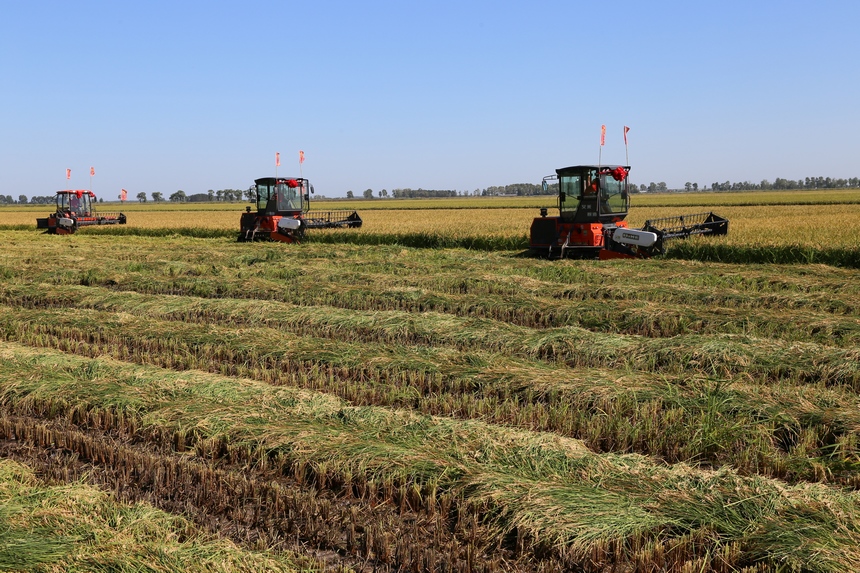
(566,243)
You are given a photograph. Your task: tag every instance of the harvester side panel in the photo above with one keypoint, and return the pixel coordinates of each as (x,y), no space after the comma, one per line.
(544,232)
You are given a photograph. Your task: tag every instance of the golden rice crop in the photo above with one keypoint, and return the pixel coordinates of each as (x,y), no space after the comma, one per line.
(807,219)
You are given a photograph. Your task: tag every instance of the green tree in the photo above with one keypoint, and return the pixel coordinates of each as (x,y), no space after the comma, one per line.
(157,196)
(349,195)
(178,197)
(368,193)
(141,197)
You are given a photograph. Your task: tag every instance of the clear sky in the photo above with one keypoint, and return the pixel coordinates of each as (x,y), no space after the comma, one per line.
(165,95)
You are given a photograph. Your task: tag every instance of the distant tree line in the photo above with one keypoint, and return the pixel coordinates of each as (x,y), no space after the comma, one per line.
(765,185)
(421,193)
(660,187)
(179,196)
(780,183)
(518,189)
(39,200)
(35,200)
(228,195)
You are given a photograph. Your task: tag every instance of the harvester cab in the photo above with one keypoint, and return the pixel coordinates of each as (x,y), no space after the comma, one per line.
(283,212)
(76,208)
(593,202)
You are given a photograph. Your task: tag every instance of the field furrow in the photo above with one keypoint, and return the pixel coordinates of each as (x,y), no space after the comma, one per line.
(547,500)
(51,526)
(633,414)
(804,305)
(719,355)
(359,527)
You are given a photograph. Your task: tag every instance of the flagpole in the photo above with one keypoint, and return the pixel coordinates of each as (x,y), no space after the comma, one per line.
(602,141)
(626,154)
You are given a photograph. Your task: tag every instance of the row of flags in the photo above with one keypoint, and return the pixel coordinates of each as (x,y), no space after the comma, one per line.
(603,134)
(278,158)
(69,172)
(123,193)
(277,163)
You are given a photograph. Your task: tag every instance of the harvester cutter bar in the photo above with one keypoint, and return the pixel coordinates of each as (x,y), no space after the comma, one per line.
(332,219)
(683,226)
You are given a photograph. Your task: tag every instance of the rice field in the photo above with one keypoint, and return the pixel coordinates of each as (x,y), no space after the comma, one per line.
(418,396)
(819,220)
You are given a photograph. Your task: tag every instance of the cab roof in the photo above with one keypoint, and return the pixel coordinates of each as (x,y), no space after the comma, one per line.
(272,180)
(583,168)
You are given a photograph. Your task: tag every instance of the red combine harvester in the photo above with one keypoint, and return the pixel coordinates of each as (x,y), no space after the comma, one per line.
(593,202)
(76,208)
(283,212)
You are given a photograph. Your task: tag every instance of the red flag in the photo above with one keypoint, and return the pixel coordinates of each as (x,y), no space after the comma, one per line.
(124,195)
(277,160)
(626,129)
(68,173)
(602,134)
(92,171)
(301,157)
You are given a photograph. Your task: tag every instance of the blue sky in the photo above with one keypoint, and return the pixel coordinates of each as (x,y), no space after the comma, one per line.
(161,96)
